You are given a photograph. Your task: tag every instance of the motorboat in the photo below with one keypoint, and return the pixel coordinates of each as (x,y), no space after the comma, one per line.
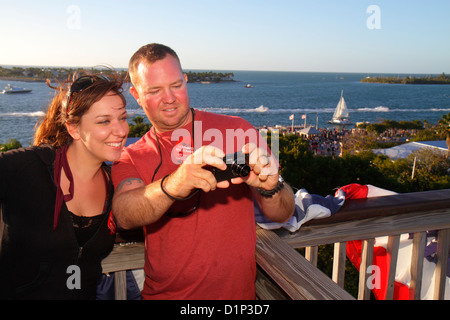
(248,86)
(9,89)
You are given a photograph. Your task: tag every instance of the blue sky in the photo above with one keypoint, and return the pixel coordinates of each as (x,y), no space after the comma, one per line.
(283,35)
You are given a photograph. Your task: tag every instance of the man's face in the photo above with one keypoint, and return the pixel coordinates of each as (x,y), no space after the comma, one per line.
(161,90)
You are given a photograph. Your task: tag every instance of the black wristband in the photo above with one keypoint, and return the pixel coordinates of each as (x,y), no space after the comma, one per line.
(270,193)
(174,198)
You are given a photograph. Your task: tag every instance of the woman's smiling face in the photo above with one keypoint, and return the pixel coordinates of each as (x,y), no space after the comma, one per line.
(103,129)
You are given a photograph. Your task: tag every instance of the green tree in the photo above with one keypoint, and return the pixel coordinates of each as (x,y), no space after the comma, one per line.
(139,128)
(11,144)
(444,129)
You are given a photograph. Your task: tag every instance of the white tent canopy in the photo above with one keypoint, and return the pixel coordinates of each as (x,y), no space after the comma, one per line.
(402,151)
(310,131)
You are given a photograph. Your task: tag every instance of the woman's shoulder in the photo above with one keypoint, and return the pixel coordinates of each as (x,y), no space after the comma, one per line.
(45,152)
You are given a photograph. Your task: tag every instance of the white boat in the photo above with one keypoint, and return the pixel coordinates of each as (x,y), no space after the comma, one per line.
(9,89)
(248,86)
(261,109)
(341,115)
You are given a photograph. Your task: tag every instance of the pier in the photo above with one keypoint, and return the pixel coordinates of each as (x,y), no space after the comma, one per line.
(283,273)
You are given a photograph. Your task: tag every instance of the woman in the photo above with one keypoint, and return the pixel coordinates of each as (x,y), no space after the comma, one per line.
(55,197)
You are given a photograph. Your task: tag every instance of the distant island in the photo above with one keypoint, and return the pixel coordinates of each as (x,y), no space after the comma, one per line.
(41,74)
(206,77)
(441,79)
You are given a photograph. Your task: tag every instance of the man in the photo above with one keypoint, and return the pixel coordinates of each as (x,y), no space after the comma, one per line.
(200,233)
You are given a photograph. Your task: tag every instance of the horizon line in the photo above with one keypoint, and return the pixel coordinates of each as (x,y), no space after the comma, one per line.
(229,70)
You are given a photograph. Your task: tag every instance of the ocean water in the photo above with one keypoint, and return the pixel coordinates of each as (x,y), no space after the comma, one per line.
(274,97)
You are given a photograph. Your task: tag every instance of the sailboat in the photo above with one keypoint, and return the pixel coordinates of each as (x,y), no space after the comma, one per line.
(340,115)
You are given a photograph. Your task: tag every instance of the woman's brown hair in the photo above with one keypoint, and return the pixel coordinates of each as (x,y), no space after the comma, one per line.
(64,108)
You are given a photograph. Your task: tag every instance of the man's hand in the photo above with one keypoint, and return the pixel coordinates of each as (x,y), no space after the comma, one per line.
(191,175)
(264,173)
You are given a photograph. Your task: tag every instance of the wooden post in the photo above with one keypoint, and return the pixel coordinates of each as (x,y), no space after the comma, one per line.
(311,255)
(392,255)
(120,285)
(340,250)
(415,286)
(366,261)
(441,265)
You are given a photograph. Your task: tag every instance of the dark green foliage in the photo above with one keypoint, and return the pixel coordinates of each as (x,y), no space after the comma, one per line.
(441,79)
(209,76)
(11,144)
(392,124)
(139,128)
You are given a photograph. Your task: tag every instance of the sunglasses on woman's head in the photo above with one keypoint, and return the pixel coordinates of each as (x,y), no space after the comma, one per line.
(79,85)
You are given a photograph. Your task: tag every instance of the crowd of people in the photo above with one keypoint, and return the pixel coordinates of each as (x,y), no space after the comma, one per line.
(330,141)
(397,135)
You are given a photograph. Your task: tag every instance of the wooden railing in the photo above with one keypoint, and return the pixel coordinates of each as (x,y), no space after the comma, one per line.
(365,219)
(283,273)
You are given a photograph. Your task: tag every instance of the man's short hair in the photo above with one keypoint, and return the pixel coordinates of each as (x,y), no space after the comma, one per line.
(149,53)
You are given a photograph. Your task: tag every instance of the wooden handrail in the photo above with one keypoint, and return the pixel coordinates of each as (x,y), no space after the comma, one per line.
(356,209)
(296,277)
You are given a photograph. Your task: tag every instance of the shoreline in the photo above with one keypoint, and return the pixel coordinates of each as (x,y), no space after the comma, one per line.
(24,79)
(125,81)
(441,79)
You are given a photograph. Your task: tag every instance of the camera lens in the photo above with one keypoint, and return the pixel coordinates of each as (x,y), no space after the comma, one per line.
(241,170)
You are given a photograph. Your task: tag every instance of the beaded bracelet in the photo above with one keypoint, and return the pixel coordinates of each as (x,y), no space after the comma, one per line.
(174,198)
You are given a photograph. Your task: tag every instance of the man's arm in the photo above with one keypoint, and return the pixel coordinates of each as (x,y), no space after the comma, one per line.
(136,204)
(278,208)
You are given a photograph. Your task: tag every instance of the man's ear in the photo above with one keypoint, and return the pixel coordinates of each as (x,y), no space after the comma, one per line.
(73,131)
(135,94)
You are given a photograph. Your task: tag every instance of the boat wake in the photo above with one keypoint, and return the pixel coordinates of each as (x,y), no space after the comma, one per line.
(260,109)
(376,109)
(265,110)
(23,114)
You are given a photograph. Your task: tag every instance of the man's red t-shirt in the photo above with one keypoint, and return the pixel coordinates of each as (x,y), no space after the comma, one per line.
(209,254)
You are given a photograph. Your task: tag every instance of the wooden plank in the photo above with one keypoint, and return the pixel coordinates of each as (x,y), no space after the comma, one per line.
(391,258)
(296,276)
(367,228)
(124,257)
(441,265)
(340,251)
(366,261)
(266,289)
(416,269)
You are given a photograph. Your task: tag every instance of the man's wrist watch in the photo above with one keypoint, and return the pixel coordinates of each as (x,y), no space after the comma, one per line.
(270,193)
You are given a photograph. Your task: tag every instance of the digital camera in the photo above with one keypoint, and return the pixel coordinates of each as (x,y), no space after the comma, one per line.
(237,166)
